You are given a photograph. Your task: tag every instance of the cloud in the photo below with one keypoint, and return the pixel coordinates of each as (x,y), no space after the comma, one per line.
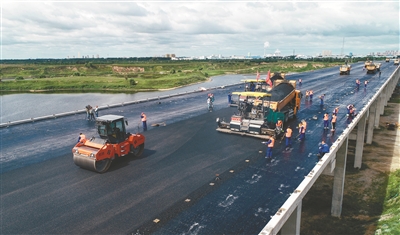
(61,29)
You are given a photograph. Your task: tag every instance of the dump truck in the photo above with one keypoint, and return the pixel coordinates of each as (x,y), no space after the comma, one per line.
(387,60)
(396,61)
(97,153)
(344,69)
(373,67)
(258,112)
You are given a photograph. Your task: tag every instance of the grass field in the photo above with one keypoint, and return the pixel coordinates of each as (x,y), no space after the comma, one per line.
(135,76)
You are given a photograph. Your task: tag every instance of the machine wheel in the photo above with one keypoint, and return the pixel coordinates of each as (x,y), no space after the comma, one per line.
(136,152)
(103,165)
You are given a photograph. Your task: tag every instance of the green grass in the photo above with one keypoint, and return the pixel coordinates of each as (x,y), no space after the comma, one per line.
(389,222)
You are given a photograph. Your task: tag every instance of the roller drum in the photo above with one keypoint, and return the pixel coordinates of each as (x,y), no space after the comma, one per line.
(91,164)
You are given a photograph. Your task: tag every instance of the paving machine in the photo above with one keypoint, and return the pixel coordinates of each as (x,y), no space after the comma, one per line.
(373,67)
(97,153)
(260,111)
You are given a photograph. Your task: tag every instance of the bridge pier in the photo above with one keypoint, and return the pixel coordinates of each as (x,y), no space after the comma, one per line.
(371,122)
(292,225)
(360,141)
(339,178)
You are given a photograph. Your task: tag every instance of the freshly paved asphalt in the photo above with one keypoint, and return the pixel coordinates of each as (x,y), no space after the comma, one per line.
(43,192)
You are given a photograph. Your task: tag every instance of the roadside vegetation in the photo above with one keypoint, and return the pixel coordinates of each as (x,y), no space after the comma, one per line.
(132,75)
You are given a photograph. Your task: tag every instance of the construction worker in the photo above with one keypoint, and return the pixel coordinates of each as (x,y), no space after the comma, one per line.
(336,111)
(307,94)
(302,132)
(365,83)
(270,145)
(300,81)
(322,97)
(288,137)
(333,121)
(358,84)
(311,94)
(326,121)
(279,128)
(304,124)
(81,138)
(144,121)
(229,98)
(323,148)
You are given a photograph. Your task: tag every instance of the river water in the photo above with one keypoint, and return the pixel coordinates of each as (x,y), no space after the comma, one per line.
(16,107)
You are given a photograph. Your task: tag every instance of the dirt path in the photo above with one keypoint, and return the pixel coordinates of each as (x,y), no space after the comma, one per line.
(365,188)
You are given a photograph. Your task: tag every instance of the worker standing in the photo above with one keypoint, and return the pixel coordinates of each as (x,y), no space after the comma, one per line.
(302,131)
(365,83)
(288,137)
(307,94)
(379,73)
(311,92)
(300,81)
(270,145)
(323,148)
(81,138)
(333,122)
(322,97)
(229,98)
(144,121)
(335,111)
(358,84)
(326,121)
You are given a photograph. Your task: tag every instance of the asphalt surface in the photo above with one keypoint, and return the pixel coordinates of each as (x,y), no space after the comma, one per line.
(43,192)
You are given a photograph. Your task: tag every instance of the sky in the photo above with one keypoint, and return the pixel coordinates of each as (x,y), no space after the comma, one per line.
(72,29)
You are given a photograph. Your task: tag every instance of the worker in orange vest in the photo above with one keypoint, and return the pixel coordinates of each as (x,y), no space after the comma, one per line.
(326,121)
(270,145)
(307,94)
(81,138)
(333,121)
(144,121)
(288,137)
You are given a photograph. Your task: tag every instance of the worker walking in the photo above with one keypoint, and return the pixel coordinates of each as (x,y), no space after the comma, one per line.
(270,145)
(81,138)
(323,148)
(144,121)
(326,121)
(288,137)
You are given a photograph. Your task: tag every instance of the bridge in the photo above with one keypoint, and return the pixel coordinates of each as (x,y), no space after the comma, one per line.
(190,179)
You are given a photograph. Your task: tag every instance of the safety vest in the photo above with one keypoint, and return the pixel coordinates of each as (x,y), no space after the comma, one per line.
(271,144)
(326,117)
(144,117)
(334,117)
(311,92)
(307,93)
(289,132)
(279,124)
(304,125)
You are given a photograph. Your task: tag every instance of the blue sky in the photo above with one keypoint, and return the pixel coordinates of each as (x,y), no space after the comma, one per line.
(61,29)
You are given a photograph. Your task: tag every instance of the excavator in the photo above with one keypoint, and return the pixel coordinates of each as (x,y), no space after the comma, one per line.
(97,153)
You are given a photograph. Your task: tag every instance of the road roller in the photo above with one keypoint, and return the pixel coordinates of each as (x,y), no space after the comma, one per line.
(97,153)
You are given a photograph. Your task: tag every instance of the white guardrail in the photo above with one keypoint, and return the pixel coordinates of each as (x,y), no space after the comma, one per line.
(281,216)
(11,123)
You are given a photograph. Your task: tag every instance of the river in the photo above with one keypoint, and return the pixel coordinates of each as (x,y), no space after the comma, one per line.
(22,106)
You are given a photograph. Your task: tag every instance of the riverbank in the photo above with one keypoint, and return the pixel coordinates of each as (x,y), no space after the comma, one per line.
(371,198)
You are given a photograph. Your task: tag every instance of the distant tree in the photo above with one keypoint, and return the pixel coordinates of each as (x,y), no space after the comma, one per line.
(172,71)
(132,82)
(19,78)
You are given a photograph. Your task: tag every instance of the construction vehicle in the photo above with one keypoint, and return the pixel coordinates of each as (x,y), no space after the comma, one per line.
(396,61)
(97,153)
(259,85)
(345,69)
(387,60)
(260,111)
(373,67)
(367,62)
